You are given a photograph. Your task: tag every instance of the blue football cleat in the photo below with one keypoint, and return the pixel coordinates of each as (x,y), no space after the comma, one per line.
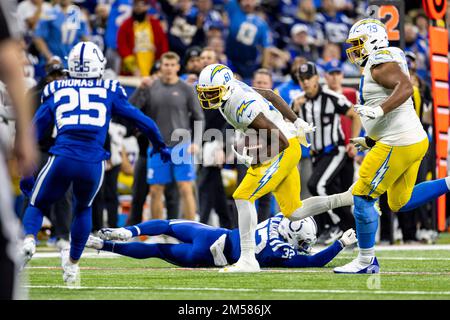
(357,267)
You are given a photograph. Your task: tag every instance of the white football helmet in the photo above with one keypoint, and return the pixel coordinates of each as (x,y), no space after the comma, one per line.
(366,36)
(86,60)
(214,84)
(302,234)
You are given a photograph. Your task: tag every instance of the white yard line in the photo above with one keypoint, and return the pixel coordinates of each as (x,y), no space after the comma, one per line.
(287,270)
(244,290)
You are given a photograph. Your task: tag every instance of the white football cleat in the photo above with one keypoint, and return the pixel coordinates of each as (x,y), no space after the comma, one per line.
(94,243)
(242,265)
(28,250)
(358,267)
(121,234)
(71,274)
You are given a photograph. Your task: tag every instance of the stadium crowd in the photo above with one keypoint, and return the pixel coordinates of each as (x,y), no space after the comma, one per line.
(165,44)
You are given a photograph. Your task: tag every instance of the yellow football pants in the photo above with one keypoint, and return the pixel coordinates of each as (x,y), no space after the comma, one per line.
(393,169)
(279,176)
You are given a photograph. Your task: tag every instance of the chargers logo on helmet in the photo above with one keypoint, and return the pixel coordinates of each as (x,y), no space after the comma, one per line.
(86,60)
(214,83)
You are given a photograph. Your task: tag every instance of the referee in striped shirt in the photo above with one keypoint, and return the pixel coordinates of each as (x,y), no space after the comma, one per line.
(323,107)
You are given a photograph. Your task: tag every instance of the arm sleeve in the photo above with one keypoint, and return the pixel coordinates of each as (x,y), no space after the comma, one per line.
(122,108)
(43,119)
(319,259)
(383,56)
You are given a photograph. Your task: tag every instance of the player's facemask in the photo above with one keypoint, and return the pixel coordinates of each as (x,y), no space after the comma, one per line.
(211,97)
(357,52)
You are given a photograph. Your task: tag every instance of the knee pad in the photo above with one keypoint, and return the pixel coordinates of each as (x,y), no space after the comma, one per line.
(366,215)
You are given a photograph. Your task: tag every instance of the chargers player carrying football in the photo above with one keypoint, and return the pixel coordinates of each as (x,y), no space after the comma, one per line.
(81,108)
(388,116)
(244,109)
(280,243)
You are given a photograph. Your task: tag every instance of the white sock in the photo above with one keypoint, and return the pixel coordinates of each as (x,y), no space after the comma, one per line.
(366,255)
(315,205)
(248,220)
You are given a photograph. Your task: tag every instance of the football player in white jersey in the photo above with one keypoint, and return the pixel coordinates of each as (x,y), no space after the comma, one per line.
(388,116)
(245,109)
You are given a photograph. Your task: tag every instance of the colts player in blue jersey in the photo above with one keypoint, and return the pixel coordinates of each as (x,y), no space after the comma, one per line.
(81,108)
(279,243)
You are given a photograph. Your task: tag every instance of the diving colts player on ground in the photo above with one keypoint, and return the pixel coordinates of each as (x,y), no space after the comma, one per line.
(244,109)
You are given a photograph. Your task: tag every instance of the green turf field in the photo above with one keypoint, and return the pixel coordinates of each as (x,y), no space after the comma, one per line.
(406,274)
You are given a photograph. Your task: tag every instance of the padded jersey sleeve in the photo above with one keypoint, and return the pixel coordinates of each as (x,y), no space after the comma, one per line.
(384,55)
(247,110)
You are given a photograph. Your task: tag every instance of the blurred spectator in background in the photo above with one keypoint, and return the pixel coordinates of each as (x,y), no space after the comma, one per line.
(119,11)
(208,56)
(192,65)
(335,24)
(99,22)
(185,24)
(59,30)
(218,45)
(332,51)
(278,63)
(290,89)
(301,44)
(174,106)
(29,12)
(248,39)
(208,21)
(60,213)
(140,41)
(304,14)
(418,45)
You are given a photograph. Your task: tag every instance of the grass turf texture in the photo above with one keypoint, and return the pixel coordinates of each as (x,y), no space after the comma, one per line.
(419,274)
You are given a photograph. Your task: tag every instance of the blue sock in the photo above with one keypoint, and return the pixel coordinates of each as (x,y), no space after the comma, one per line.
(424,192)
(150,228)
(137,250)
(32,220)
(366,219)
(79,232)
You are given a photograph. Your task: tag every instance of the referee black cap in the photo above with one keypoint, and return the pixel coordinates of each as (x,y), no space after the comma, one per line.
(307,70)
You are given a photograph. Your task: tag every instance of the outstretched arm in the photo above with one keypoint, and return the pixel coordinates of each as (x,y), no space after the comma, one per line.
(390,76)
(317,260)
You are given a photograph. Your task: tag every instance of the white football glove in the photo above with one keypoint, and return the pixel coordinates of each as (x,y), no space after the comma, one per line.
(243,158)
(360,143)
(369,112)
(348,238)
(303,128)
